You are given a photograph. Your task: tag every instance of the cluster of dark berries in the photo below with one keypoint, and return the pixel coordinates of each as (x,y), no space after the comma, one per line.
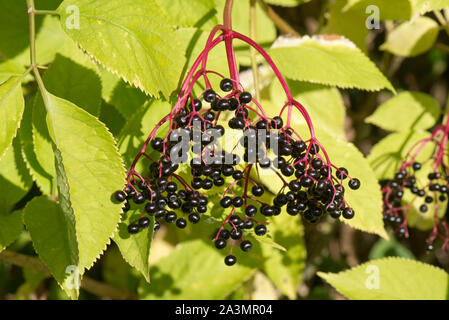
(312,185)
(434,190)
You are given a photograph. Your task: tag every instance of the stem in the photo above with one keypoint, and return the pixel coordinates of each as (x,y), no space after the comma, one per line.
(50,12)
(98,288)
(252,34)
(282,25)
(32,32)
(227,33)
(227,19)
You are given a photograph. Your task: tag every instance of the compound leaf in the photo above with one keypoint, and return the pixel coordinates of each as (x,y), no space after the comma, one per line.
(129,37)
(406,111)
(11,111)
(52,231)
(177,275)
(135,248)
(10,228)
(330,61)
(412,38)
(391,279)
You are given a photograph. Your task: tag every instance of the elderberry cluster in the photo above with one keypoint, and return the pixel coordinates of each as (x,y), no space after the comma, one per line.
(433,191)
(312,186)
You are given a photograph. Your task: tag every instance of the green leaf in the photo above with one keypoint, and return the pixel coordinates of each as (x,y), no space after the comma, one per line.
(193,270)
(135,248)
(424,6)
(11,110)
(129,37)
(397,279)
(8,69)
(386,248)
(15,180)
(388,10)
(75,83)
(324,104)
(412,38)
(89,170)
(285,268)
(10,228)
(387,155)
(53,233)
(350,24)
(198,13)
(336,62)
(422,112)
(287,3)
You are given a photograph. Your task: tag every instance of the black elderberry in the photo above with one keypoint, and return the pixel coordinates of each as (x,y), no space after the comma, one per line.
(317,163)
(225,234)
(157,144)
(194,218)
(277,122)
(260,230)
(335,213)
(226,202)
(223,105)
(245,97)
(428,199)
(306,181)
(133,228)
(196,105)
(423,208)
(209,116)
(181,223)
(257,190)
(210,95)
(157,226)
(130,193)
(220,243)
(139,198)
(416,166)
(207,184)
(246,245)
(233,104)
(348,213)
(230,260)
(172,187)
(237,175)
(288,171)
(342,173)
(354,184)
(119,196)
(126,207)
(144,222)
(237,202)
(170,217)
(236,234)
(250,210)
(219,182)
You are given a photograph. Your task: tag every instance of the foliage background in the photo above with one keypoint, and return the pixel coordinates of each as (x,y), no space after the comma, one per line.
(349,88)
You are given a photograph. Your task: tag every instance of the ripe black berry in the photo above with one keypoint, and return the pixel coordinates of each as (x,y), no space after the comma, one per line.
(194,218)
(144,222)
(210,95)
(257,191)
(230,260)
(348,213)
(181,223)
(220,243)
(139,198)
(245,97)
(246,245)
(260,230)
(226,85)
(133,228)
(120,196)
(250,210)
(354,184)
(226,202)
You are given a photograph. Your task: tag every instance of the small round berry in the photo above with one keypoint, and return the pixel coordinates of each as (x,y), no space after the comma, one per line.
(250,210)
(342,173)
(119,196)
(226,202)
(133,228)
(348,213)
(246,245)
(226,85)
(423,208)
(260,230)
(139,198)
(354,184)
(237,202)
(194,218)
(317,163)
(230,260)
(237,175)
(245,97)
(157,226)
(236,234)
(220,243)
(257,190)
(170,217)
(144,222)
(210,95)
(335,213)
(181,223)
(157,144)
(277,122)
